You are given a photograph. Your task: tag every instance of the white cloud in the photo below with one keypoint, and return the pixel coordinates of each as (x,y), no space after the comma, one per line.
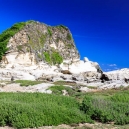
(112,65)
(106,70)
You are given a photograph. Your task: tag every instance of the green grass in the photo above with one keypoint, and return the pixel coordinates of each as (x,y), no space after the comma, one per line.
(65,83)
(49,31)
(47,57)
(28,82)
(103,106)
(91,87)
(58,90)
(56,58)
(22,110)
(73,92)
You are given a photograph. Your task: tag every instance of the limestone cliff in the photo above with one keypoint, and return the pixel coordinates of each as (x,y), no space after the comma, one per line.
(42,43)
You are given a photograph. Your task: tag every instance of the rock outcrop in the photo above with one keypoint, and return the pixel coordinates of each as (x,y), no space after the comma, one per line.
(37,49)
(37,42)
(41,52)
(122,75)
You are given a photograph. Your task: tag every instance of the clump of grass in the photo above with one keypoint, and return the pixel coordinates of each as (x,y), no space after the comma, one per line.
(65,83)
(56,58)
(58,90)
(49,31)
(28,82)
(91,87)
(47,57)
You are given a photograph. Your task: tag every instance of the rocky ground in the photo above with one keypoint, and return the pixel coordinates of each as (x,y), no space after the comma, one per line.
(85,82)
(14,87)
(79,126)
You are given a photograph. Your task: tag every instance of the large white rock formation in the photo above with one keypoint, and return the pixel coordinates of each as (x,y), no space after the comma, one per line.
(23,66)
(118,74)
(79,66)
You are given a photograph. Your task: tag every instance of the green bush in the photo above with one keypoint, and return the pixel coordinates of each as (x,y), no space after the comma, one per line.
(54,58)
(108,109)
(62,27)
(69,37)
(47,57)
(58,90)
(28,82)
(22,110)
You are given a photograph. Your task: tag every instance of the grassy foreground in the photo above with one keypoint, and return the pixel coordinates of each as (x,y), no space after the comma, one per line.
(109,106)
(22,110)
(35,109)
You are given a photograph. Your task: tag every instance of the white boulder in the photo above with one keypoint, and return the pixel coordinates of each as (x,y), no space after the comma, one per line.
(86,59)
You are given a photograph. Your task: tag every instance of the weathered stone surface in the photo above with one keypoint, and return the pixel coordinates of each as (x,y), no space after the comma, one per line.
(78,77)
(122,74)
(84,89)
(37,38)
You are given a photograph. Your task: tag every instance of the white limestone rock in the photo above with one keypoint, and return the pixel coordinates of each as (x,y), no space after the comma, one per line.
(86,59)
(78,66)
(118,74)
(84,89)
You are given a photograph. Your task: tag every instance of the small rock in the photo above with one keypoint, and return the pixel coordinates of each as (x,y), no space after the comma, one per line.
(2,84)
(66,72)
(12,78)
(84,89)
(64,92)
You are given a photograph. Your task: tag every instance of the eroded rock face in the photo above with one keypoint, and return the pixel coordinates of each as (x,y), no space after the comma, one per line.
(21,58)
(43,41)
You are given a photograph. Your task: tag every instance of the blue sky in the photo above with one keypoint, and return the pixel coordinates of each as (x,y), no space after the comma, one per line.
(100,28)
